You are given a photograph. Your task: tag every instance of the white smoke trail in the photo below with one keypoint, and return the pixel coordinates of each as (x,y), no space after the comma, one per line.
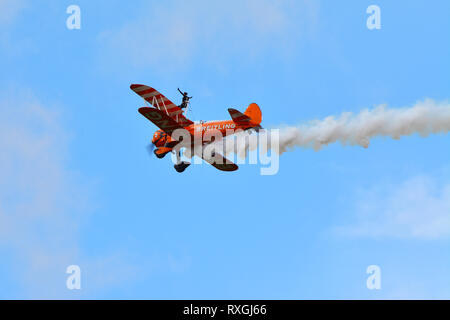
(423,118)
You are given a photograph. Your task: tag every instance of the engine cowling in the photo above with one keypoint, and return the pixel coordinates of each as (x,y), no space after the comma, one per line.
(160,138)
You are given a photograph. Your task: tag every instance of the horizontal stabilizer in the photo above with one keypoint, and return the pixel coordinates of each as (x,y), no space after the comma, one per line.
(238,116)
(252,116)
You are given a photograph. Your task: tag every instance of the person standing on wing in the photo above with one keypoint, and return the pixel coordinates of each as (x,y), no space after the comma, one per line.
(186,99)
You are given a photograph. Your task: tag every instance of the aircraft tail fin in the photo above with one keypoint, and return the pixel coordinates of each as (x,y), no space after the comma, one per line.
(254,113)
(252,116)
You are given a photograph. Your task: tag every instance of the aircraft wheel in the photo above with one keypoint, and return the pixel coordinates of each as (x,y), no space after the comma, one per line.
(160,155)
(180,167)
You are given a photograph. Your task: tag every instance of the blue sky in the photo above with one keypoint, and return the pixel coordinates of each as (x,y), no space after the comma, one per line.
(77,186)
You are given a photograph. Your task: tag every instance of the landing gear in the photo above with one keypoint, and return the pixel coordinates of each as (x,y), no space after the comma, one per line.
(180,167)
(160,155)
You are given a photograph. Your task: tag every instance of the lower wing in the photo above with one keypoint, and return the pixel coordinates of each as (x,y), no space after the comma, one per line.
(218,161)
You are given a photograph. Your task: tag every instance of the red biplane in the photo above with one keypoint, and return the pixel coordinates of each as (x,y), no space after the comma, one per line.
(168,117)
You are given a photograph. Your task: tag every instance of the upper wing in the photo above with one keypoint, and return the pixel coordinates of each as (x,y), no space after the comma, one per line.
(160,102)
(160,119)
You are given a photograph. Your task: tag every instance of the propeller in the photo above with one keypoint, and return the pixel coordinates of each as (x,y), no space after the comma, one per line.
(150,147)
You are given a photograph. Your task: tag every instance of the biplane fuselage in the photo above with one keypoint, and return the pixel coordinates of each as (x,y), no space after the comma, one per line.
(204,129)
(170,119)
